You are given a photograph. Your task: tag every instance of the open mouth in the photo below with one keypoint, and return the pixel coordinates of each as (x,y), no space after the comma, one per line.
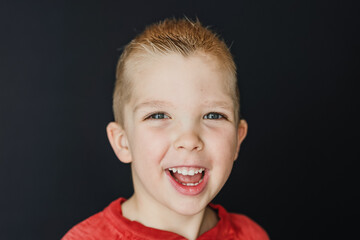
(187,176)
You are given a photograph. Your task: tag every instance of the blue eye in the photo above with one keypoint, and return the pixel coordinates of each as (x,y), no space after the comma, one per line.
(158,116)
(214,115)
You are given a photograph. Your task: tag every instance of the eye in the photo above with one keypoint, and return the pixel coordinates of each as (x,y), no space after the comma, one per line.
(214,115)
(158,115)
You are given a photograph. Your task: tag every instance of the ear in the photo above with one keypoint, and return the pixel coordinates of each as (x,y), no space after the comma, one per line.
(119,142)
(241,134)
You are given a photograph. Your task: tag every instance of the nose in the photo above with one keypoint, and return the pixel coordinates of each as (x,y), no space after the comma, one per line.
(190,141)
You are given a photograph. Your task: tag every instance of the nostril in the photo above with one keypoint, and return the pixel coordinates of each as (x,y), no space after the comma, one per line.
(197,148)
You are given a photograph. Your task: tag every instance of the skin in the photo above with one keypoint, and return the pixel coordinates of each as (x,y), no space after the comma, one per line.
(180,114)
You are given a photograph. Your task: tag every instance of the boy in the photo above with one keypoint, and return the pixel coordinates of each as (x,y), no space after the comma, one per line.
(176,108)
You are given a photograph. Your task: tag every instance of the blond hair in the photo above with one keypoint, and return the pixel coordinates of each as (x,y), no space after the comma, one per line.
(181,36)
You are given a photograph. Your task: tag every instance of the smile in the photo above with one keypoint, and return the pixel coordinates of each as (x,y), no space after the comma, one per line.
(188,180)
(187,176)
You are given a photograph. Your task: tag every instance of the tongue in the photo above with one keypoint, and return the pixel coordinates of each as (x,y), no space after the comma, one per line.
(187,179)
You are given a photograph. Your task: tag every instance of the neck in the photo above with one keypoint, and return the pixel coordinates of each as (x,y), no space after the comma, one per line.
(157,217)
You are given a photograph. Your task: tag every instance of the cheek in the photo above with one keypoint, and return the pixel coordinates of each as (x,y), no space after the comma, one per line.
(222,143)
(149,145)
(223,149)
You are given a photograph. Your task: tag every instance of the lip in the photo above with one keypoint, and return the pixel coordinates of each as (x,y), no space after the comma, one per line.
(188,190)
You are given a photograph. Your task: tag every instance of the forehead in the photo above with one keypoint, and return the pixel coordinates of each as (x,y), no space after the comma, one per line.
(200,74)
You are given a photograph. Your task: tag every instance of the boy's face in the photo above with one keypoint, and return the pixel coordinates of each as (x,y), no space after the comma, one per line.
(180,117)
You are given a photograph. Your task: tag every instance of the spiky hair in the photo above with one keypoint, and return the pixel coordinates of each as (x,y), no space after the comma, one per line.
(181,36)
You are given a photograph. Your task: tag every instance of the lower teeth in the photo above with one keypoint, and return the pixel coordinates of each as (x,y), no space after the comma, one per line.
(189,184)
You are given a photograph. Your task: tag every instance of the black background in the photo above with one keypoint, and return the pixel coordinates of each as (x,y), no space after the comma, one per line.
(297,69)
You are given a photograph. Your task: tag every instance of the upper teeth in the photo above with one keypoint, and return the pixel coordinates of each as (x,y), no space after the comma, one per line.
(187,171)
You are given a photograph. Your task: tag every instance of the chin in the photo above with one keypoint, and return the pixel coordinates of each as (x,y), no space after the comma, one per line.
(189,208)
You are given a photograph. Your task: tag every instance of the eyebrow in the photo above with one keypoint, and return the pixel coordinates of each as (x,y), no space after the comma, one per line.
(152,104)
(218,104)
(162,104)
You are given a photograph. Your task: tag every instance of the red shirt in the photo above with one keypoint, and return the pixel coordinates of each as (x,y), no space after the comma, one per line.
(111,224)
